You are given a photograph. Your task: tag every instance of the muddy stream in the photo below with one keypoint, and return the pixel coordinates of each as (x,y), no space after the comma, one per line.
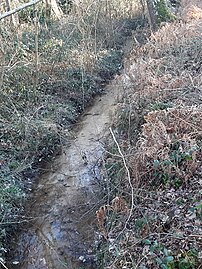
(64,201)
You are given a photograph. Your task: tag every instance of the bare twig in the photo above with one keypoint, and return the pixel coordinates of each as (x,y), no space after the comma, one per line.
(11,12)
(129,179)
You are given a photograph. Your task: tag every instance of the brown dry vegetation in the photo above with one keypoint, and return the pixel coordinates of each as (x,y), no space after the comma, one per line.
(160,132)
(49,73)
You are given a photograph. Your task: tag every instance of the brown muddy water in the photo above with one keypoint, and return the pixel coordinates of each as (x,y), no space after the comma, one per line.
(63,204)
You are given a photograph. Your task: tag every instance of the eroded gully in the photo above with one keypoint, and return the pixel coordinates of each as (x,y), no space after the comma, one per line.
(62,207)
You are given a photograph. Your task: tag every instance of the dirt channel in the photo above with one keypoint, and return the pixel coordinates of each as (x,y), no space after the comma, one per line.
(63,205)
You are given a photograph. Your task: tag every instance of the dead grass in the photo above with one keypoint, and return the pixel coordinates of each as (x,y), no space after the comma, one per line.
(191,10)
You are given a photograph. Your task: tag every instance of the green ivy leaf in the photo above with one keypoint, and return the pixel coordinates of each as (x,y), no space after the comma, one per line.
(146,242)
(169,259)
(159,261)
(163,266)
(156,163)
(165,251)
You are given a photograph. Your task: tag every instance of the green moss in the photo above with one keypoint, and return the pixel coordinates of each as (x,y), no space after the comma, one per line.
(163,12)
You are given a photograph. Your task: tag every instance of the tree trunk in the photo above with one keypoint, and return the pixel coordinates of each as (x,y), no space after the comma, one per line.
(152,15)
(54,7)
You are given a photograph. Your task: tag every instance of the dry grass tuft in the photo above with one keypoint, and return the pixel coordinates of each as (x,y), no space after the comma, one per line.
(191,10)
(118,207)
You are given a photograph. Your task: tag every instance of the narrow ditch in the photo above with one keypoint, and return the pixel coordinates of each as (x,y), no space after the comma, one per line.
(60,232)
(62,212)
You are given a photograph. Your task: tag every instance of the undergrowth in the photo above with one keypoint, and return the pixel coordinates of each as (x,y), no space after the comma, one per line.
(157,223)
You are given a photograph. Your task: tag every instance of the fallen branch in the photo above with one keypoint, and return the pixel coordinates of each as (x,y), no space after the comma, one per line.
(11,12)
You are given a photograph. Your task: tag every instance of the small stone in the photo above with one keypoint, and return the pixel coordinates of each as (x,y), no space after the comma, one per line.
(15,262)
(82,258)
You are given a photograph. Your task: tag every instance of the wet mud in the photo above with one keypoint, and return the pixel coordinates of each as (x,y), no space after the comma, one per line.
(61,230)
